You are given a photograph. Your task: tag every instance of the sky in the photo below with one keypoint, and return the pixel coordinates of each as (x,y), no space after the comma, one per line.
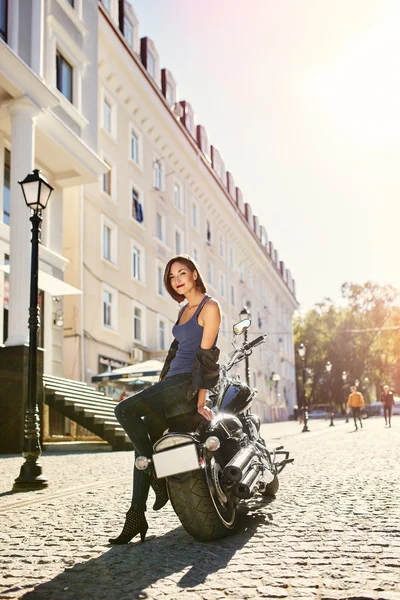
(302,98)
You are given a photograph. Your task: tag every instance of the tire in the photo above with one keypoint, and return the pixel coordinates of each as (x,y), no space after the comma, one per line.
(272,488)
(194,506)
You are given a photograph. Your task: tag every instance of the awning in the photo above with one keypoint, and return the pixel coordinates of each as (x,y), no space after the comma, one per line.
(147,371)
(49,283)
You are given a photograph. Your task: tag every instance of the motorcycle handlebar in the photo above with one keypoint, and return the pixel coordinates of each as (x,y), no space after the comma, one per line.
(258,340)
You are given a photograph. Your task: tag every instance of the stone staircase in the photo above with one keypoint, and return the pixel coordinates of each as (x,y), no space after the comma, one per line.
(87,407)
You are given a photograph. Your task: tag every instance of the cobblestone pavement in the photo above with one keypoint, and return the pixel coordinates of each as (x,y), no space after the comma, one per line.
(331,533)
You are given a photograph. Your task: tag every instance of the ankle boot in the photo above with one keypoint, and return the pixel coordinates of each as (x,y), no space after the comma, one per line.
(135,523)
(160,489)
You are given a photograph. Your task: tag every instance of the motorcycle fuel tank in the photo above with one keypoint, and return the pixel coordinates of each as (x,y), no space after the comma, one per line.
(236,398)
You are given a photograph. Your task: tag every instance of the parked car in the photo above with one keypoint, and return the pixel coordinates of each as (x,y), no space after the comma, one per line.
(373,410)
(318,414)
(396,407)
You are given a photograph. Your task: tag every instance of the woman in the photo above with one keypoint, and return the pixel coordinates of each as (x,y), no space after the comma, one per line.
(189,370)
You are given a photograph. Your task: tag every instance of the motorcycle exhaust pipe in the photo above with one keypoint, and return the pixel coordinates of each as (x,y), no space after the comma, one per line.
(233,471)
(243,489)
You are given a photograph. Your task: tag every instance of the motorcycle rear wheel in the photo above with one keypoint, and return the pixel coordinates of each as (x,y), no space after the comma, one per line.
(195,506)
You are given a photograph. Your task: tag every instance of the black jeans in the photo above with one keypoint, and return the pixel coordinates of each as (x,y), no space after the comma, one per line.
(154,404)
(356,410)
(387,411)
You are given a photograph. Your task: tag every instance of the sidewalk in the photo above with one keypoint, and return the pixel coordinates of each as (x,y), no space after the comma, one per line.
(332,533)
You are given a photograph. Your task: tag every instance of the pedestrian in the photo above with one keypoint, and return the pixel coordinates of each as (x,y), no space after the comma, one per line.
(387,399)
(189,370)
(356,403)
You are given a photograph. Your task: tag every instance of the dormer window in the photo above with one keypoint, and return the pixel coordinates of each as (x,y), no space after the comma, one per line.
(169,94)
(151,64)
(128,31)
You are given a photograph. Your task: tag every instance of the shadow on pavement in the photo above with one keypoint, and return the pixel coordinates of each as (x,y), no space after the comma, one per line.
(126,571)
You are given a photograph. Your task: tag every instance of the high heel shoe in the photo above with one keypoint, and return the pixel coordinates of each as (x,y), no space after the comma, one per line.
(160,489)
(135,523)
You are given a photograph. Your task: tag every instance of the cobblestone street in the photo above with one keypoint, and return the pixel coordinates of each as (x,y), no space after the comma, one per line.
(333,531)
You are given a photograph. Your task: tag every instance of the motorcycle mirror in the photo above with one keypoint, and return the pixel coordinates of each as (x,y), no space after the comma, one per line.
(241,326)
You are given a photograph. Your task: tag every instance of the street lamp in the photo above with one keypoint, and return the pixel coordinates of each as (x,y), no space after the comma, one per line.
(302,353)
(344,379)
(245,314)
(36,192)
(328,368)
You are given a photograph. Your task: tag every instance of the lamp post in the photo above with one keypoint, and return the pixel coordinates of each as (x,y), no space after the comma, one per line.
(36,192)
(245,314)
(302,353)
(328,368)
(344,378)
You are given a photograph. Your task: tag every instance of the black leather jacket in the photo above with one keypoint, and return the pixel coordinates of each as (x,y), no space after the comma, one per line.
(205,373)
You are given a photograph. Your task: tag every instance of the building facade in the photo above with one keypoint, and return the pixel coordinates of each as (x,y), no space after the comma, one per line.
(167,192)
(84,98)
(48,98)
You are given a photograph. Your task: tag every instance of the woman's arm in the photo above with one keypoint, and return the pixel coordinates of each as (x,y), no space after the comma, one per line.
(210,320)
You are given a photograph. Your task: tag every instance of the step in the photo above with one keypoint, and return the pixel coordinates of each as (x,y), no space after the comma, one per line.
(75,391)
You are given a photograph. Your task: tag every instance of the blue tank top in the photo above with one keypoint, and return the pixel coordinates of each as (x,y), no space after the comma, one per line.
(189,337)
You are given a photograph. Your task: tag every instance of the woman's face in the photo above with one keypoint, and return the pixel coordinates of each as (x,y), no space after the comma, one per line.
(181,277)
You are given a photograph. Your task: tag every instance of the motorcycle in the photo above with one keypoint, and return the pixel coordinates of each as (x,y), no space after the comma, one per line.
(222,462)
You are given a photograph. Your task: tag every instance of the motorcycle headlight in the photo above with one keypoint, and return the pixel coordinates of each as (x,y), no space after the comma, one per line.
(212,443)
(142,462)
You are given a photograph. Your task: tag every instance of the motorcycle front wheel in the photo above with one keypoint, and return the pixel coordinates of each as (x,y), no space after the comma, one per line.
(201,505)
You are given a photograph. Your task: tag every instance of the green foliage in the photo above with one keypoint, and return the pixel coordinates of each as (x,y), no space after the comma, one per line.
(358,336)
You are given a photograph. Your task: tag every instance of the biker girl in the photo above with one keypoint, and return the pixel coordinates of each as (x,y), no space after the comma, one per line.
(190,369)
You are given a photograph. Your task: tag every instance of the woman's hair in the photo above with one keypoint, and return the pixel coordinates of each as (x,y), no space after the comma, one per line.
(192,266)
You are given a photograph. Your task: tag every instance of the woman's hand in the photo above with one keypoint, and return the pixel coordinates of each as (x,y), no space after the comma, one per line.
(205,412)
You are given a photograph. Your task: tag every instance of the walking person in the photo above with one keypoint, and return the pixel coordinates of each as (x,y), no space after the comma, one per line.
(189,370)
(387,399)
(355,402)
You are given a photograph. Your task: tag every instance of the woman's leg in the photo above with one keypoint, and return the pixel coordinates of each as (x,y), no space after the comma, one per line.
(385,413)
(354,411)
(390,415)
(150,403)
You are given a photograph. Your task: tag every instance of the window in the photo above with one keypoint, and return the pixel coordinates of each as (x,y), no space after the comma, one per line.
(221,246)
(110,307)
(71,2)
(134,147)
(224,329)
(106,4)
(160,281)
(231,258)
(160,227)
(136,270)
(107,308)
(208,233)
(222,285)
(233,299)
(195,214)
(138,262)
(195,254)
(151,64)
(107,115)
(6,187)
(158,175)
(107,242)
(107,180)
(161,334)
(177,196)
(178,242)
(169,94)
(210,273)
(64,73)
(3,20)
(137,207)
(110,241)
(128,31)
(259,320)
(139,323)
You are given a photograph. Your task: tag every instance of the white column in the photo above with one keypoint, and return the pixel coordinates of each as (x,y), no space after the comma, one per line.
(23,113)
(37,37)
